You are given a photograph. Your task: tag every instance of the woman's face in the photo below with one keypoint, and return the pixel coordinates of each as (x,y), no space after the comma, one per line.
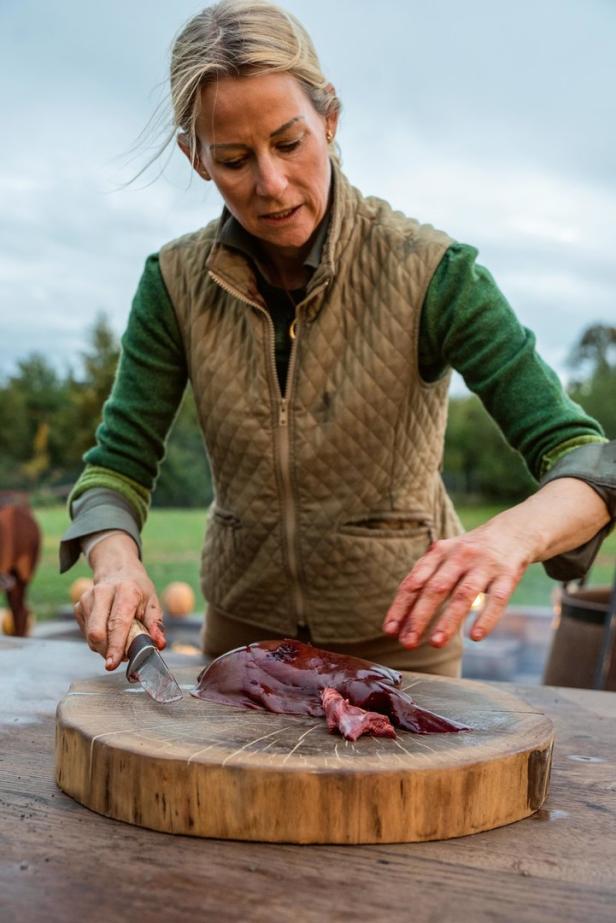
(265,147)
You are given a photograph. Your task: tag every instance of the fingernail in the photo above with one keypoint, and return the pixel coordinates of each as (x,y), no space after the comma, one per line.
(438,637)
(109,663)
(477,634)
(410,638)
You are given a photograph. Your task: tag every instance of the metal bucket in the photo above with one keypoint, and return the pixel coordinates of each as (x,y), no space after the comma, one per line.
(578,646)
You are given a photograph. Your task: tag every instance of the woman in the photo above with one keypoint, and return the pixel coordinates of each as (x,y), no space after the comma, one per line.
(317,328)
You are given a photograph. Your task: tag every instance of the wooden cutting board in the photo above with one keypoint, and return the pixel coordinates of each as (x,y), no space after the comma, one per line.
(205,769)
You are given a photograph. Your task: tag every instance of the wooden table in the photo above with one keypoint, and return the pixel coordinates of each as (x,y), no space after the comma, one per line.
(61,862)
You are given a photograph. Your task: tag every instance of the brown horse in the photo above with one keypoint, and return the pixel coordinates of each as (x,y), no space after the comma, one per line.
(20,540)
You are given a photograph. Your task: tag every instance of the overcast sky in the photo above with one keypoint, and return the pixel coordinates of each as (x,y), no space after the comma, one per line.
(495,121)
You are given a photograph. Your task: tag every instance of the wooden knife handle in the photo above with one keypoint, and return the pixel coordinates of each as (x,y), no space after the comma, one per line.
(136,629)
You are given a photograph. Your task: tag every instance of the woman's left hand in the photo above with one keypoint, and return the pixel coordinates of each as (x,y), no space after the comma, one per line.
(491,559)
(452,573)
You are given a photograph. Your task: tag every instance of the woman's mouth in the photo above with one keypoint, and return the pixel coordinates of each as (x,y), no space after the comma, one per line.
(281,216)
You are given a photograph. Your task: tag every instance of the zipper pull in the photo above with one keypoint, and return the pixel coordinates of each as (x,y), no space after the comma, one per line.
(283,416)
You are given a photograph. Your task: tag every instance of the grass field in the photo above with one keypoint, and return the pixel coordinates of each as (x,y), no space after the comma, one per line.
(172,542)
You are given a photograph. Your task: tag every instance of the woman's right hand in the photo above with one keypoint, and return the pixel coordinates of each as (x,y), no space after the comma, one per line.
(122,592)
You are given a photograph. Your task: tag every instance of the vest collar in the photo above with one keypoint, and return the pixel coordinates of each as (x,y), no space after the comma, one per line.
(233,235)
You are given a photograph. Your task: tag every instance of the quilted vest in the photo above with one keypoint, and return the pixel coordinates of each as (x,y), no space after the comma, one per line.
(324,496)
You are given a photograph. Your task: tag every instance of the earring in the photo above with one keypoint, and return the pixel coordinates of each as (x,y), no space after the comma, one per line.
(329,135)
(201,170)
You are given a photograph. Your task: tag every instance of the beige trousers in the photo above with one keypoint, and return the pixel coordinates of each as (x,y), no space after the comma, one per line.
(222,634)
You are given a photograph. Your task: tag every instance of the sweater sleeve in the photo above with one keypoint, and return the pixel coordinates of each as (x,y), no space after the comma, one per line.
(146,394)
(97,510)
(467,324)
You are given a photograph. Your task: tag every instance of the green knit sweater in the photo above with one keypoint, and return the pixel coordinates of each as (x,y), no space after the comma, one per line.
(466,324)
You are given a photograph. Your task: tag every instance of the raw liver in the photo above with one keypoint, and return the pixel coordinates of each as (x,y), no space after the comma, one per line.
(288,677)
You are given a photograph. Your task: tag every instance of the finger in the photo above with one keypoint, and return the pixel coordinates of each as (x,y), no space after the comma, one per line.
(80,618)
(499,594)
(153,621)
(82,609)
(96,619)
(429,601)
(78,613)
(410,588)
(128,604)
(461,600)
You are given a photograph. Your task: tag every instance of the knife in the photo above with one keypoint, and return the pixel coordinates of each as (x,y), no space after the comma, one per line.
(146,666)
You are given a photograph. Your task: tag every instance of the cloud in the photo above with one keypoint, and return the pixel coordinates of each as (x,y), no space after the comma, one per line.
(499,133)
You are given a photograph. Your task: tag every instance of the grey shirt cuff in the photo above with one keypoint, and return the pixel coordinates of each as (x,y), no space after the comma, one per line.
(595,464)
(96,510)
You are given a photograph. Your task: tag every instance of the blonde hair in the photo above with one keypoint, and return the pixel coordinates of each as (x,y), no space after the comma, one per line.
(235,38)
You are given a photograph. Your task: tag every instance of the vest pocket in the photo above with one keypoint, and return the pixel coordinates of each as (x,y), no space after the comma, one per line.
(219,550)
(242,571)
(390,524)
(222,530)
(226,518)
(357,573)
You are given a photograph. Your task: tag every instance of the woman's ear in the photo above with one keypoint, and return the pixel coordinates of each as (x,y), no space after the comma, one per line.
(184,145)
(331,119)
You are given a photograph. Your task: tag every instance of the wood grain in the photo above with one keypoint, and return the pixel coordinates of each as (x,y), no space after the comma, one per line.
(211,770)
(58,859)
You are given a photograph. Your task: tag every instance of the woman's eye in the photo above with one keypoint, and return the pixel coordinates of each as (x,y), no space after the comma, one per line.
(289,145)
(234,164)
(285,146)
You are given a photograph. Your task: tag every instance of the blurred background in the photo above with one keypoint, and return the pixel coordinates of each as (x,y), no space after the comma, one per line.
(493,121)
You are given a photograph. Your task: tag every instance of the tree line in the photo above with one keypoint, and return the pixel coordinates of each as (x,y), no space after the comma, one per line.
(48,420)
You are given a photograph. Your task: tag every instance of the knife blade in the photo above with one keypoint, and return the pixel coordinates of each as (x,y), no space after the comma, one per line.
(146,666)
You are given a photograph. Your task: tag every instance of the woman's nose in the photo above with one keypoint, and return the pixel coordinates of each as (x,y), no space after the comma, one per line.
(271,181)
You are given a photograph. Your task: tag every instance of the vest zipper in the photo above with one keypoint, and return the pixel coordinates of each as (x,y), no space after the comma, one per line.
(283,441)
(284,448)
